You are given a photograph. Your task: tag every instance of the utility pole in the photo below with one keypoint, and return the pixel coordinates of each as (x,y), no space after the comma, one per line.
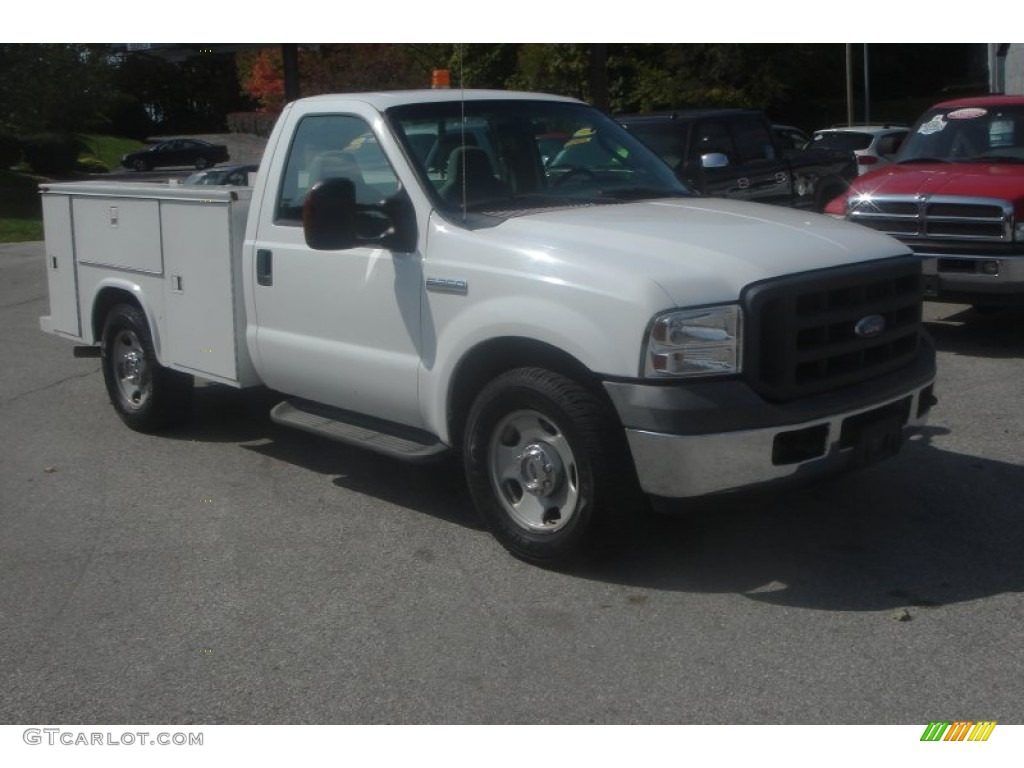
(867,87)
(290,59)
(849,84)
(599,75)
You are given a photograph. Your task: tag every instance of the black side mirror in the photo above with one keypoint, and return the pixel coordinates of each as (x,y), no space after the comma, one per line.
(329,215)
(332,220)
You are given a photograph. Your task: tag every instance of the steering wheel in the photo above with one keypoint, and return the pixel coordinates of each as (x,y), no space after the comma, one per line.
(573,170)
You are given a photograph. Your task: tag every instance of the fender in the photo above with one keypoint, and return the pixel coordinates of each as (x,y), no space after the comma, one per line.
(566,328)
(135,290)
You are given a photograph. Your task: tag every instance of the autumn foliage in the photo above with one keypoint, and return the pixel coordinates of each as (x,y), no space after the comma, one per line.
(342,68)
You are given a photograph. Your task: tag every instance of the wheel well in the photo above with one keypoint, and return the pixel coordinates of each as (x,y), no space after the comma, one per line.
(829,191)
(496,356)
(107,299)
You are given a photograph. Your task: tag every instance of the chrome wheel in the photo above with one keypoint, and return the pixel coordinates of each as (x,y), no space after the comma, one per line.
(548,467)
(147,396)
(131,369)
(533,471)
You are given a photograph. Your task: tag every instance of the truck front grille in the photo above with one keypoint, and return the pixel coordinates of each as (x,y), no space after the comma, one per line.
(934,217)
(828,329)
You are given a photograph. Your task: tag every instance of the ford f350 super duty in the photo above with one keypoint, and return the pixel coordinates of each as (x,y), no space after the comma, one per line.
(411,278)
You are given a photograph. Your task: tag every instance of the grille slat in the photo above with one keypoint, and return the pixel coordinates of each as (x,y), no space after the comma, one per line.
(938,217)
(803,337)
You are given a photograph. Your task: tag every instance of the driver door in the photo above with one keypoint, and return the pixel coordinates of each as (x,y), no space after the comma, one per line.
(336,327)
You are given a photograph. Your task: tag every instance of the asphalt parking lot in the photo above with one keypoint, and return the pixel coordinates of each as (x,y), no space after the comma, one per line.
(233,571)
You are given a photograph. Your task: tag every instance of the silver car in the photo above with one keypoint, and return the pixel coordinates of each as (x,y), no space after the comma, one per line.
(874,145)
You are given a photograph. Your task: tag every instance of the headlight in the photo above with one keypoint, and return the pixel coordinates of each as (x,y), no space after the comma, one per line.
(695,342)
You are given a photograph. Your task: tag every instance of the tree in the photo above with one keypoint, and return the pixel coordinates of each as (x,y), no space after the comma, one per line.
(329,69)
(54,87)
(193,95)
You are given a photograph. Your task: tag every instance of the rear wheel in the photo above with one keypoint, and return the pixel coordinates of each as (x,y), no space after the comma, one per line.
(146,396)
(548,467)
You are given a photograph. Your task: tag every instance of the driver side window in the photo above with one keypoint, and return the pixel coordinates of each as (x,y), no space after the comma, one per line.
(330,147)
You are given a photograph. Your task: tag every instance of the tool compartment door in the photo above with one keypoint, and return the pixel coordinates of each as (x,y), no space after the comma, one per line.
(60,267)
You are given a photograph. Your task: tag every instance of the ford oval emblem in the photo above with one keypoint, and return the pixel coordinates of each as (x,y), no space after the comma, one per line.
(869,326)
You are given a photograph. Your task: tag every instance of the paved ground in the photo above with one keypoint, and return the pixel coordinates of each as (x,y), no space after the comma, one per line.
(233,571)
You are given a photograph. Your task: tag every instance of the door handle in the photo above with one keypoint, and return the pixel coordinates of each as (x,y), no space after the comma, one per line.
(264,267)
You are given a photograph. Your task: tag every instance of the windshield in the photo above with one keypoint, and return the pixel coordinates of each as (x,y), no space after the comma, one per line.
(967,134)
(506,157)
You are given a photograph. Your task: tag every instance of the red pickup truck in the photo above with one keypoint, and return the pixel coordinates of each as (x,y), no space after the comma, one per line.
(955,195)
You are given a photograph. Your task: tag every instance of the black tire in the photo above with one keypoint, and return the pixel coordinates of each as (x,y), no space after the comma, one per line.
(147,396)
(548,467)
(202,162)
(825,197)
(140,165)
(986,309)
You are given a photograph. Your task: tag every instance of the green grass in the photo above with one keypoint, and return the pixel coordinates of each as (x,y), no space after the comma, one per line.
(21,214)
(108,149)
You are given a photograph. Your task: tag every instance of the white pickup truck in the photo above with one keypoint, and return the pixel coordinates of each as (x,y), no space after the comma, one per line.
(413,277)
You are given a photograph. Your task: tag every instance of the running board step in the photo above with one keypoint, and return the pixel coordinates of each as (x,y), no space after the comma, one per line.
(377,435)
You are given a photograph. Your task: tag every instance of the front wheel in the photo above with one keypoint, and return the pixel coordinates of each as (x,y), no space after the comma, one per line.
(202,162)
(548,468)
(147,396)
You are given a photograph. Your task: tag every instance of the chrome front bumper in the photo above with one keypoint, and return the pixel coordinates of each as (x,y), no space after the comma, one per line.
(684,466)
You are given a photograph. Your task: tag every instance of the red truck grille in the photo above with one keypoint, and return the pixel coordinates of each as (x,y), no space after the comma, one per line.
(934,216)
(828,329)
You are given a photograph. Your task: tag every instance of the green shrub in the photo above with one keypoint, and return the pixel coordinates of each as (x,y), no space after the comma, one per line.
(51,152)
(10,151)
(91,165)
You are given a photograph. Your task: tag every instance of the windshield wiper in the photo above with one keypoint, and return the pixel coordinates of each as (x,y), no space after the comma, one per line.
(997,159)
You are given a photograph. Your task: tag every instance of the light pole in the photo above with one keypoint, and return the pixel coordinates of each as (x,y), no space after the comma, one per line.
(867,88)
(849,84)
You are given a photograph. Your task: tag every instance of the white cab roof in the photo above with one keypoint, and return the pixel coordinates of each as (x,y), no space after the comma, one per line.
(386,100)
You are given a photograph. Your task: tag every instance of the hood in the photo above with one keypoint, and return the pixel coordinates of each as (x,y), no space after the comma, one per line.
(1003,181)
(698,250)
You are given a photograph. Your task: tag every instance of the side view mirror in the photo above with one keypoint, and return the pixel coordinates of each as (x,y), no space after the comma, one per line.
(329,215)
(332,220)
(714,160)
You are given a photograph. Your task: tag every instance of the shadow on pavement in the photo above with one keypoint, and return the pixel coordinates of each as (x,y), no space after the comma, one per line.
(223,414)
(924,529)
(996,334)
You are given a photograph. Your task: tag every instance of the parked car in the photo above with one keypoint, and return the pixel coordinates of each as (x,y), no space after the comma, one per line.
(874,145)
(174,152)
(230,175)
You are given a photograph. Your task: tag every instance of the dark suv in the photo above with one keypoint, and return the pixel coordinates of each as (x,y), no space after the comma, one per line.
(733,153)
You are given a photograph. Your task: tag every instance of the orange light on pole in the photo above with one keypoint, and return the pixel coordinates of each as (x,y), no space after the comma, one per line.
(441,79)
